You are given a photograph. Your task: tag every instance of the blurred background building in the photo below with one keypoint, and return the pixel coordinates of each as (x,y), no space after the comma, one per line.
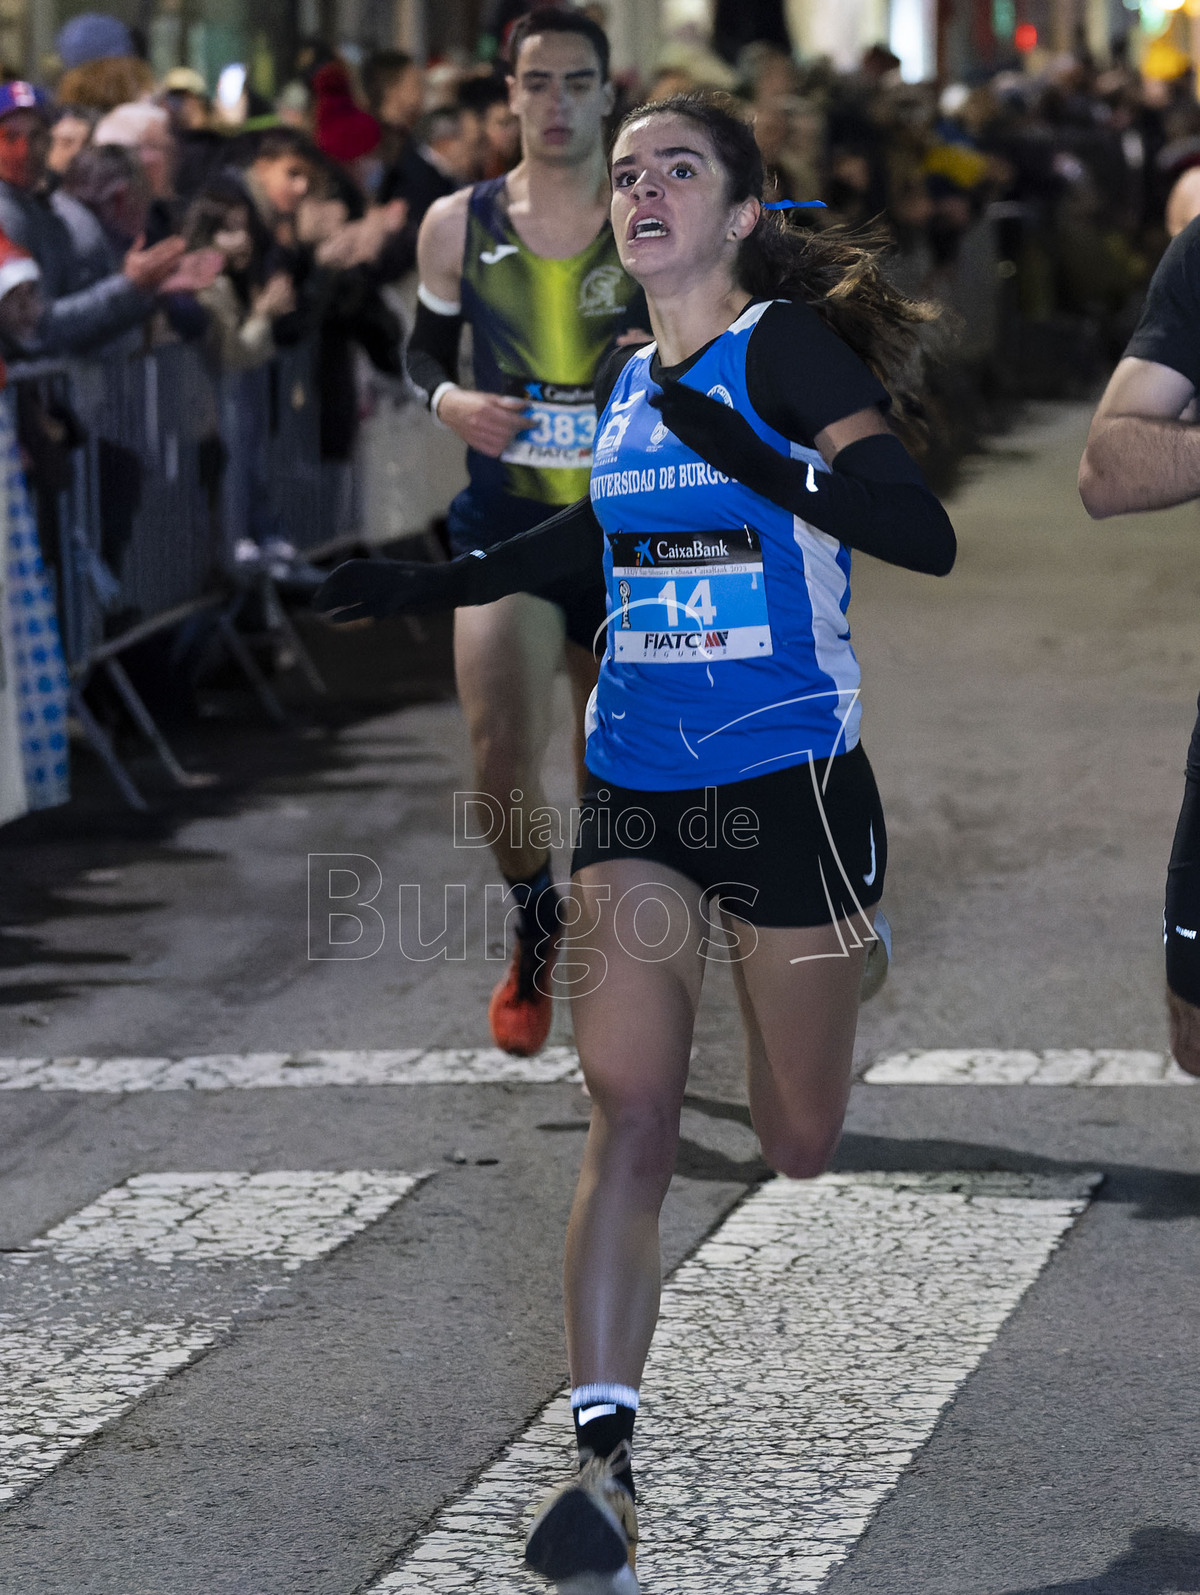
(942,38)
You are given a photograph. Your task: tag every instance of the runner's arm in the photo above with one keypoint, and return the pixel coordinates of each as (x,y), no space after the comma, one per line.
(560,556)
(873,498)
(1140,455)
(432,354)
(486,422)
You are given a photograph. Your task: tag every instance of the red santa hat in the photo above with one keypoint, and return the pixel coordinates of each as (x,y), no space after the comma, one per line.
(16,266)
(341,129)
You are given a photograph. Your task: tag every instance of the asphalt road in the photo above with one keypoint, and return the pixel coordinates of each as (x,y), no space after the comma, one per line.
(1027,720)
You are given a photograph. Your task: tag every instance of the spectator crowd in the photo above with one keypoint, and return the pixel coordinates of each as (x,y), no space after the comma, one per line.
(136,213)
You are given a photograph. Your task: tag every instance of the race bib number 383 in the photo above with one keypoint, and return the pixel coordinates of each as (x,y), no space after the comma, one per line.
(688,598)
(558,437)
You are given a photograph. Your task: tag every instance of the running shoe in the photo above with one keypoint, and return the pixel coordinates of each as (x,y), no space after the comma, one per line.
(879,958)
(584,1534)
(521,1008)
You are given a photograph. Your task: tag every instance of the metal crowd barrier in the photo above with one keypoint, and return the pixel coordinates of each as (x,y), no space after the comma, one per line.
(145,538)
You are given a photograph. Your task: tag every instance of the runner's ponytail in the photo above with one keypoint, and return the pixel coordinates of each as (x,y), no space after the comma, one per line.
(836,272)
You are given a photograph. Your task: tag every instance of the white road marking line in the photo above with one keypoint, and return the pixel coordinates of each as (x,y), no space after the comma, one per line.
(142,1257)
(255,1071)
(807,1351)
(1075,1066)
(290,1216)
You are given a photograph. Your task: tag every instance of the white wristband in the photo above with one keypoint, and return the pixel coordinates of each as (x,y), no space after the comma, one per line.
(436,397)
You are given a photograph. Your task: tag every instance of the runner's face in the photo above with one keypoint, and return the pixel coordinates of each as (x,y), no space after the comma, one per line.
(558,98)
(670,213)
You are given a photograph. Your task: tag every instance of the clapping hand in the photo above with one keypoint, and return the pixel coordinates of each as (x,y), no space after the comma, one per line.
(197,270)
(277,296)
(149,269)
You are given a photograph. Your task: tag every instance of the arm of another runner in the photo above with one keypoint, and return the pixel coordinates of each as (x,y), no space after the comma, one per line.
(486,422)
(873,498)
(561,554)
(1139,454)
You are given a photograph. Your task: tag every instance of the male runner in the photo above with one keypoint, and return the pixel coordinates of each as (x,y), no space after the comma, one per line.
(1143,453)
(528,261)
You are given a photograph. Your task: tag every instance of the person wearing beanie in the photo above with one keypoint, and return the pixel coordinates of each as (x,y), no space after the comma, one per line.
(93,36)
(342,130)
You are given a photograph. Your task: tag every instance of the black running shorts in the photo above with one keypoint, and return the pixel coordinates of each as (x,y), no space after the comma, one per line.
(787,849)
(1181,917)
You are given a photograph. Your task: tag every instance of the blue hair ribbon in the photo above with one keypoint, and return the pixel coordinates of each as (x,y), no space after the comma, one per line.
(796,204)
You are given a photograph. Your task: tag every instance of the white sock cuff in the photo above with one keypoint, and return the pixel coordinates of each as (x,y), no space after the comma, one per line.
(601,1395)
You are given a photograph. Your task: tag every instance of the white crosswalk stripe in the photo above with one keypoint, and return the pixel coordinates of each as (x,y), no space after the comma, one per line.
(128,1290)
(414,1066)
(1070,1066)
(257,1071)
(803,1354)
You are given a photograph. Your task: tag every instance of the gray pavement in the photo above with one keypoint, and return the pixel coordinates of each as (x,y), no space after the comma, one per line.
(1027,720)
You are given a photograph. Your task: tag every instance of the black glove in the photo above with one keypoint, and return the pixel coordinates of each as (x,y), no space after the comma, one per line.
(723,438)
(373,589)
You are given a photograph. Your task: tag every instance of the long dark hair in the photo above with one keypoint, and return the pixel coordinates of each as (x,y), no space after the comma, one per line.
(835,271)
(209,213)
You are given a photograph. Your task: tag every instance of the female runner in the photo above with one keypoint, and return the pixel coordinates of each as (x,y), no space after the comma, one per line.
(737,461)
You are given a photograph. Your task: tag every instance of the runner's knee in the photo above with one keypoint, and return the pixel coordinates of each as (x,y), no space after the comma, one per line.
(636,1132)
(801,1151)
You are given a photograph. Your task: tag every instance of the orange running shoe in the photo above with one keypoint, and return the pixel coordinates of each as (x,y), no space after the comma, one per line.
(521,1008)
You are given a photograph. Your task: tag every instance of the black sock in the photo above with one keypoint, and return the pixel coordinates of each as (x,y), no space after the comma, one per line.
(536,898)
(602,1434)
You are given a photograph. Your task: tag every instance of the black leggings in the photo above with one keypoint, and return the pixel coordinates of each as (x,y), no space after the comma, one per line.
(1181,917)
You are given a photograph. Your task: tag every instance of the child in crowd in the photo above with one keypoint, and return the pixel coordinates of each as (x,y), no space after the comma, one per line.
(241,309)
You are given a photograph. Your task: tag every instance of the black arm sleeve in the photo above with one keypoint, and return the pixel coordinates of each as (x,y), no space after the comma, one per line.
(801,377)
(432,355)
(560,557)
(874,499)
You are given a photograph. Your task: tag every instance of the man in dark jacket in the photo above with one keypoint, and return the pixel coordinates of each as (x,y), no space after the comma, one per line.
(87,304)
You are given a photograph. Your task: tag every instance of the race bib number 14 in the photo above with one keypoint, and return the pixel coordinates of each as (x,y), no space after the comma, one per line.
(688,598)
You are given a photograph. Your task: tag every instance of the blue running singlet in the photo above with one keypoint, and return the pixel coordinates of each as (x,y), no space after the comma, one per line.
(728,650)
